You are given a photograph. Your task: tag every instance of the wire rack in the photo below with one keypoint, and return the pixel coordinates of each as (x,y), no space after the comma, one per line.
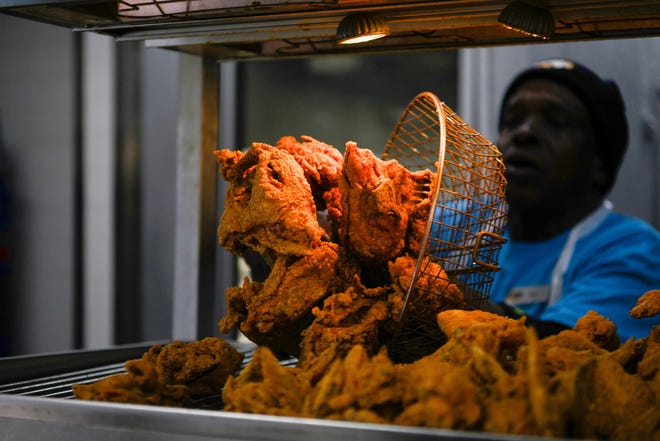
(59,385)
(464,231)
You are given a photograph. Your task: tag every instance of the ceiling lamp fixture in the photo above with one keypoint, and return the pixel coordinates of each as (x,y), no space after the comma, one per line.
(530,19)
(360,27)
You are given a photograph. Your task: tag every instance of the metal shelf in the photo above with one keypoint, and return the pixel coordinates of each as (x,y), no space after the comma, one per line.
(280,29)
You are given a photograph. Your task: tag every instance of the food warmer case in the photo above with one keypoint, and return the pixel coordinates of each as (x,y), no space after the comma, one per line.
(35,391)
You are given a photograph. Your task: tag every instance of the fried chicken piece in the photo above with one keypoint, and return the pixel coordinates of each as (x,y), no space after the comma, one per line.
(599,330)
(647,305)
(438,394)
(316,366)
(356,385)
(434,292)
(608,400)
(236,298)
(346,319)
(275,312)
(419,334)
(332,200)
(506,401)
(139,385)
(649,366)
(269,206)
(466,385)
(377,198)
(567,351)
(203,366)
(417,221)
(228,161)
(320,162)
(168,375)
(549,396)
(265,386)
(501,392)
(498,336)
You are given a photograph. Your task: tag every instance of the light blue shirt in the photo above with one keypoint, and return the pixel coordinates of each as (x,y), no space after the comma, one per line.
(608,269)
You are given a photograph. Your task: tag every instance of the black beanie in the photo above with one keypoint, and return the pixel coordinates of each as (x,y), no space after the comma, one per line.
(602,99)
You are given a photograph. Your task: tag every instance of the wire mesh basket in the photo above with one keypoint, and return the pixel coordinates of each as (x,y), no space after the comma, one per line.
(464,232)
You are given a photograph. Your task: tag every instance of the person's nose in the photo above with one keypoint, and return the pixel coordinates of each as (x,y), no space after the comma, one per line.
(526,132)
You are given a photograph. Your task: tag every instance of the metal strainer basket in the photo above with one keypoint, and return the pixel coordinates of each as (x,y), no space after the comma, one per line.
(464,231)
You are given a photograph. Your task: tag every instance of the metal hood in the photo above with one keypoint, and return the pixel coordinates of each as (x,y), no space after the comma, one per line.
(255,29)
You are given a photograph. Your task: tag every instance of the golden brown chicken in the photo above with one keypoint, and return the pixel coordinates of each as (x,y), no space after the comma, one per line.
(356,386)
(139,385)
(275,312)
(269,206)
(265,386)
(599,330)
(320,162)
(499,336)
(647,305)
(434,292)
(353,317)
(417,334)
(492,375)
(168,374)
(203,366)
(377,199)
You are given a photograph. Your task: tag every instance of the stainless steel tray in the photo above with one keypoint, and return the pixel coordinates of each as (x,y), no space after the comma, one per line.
(36,404)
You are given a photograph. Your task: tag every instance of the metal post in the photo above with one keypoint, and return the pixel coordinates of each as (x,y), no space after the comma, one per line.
(195,243)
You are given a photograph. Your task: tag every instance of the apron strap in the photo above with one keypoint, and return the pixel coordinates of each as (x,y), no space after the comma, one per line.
(584,227)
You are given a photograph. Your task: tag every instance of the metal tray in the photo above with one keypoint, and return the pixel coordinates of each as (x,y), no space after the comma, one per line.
(36,403)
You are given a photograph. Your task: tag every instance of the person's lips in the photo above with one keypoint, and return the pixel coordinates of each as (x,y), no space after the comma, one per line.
(520,166)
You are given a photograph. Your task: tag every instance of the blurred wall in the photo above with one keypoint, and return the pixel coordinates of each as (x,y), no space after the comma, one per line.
(38,116)
(62,95)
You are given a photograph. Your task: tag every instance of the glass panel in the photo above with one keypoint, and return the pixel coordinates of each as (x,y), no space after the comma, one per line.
(336,99)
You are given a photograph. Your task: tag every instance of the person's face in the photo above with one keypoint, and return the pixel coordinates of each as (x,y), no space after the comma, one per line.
(548,147)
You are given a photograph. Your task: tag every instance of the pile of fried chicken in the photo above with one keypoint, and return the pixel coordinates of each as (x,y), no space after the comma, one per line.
(492,375)
(341,235)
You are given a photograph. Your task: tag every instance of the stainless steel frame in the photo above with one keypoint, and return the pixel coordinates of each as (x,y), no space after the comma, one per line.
(418,26)
(280,28)
(195,243)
